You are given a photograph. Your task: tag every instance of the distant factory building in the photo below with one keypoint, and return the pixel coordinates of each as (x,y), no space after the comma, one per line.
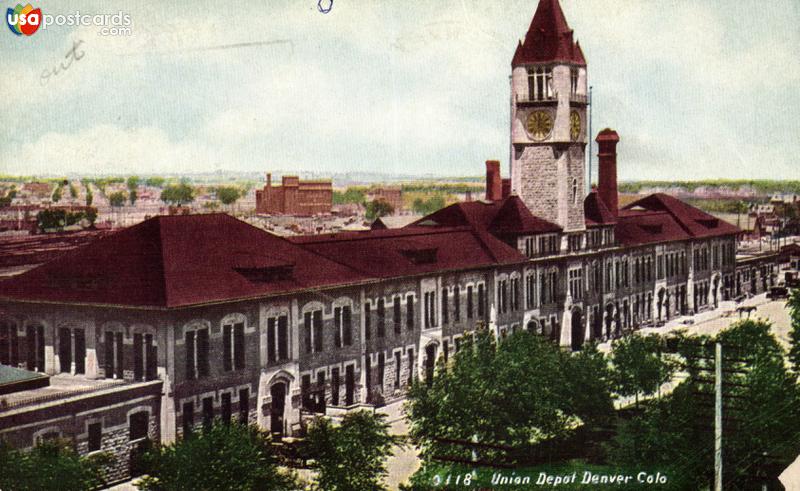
(295,197)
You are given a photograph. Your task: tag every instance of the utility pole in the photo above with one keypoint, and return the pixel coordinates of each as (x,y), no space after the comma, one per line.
(591,136)
(718,420)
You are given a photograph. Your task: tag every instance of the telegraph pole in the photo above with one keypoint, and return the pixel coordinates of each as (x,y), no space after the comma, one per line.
(718,420)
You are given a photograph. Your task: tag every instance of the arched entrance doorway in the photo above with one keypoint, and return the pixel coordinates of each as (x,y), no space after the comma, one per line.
(533,327)
(277,406)
(430,362)
(577,329)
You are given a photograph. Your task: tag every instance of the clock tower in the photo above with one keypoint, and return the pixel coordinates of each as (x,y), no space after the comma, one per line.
(548,119)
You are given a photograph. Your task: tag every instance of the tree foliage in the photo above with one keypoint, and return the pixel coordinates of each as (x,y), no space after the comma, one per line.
(640,365)
(794,333)
(155,181)
(178,194)
(50,465)
(353,194)
(761,407)
(378,208)
(117,199)
(427,206)
(228,194)
(223,457)
(517,392)
(352,455)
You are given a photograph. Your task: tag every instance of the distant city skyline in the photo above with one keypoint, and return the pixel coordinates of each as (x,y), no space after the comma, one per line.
(696,90)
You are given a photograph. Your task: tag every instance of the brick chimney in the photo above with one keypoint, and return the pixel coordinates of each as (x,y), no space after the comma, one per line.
(494,183)
(607,171)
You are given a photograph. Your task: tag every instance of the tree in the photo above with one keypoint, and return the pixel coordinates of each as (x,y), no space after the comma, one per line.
(425,207)
(155,181)
(518,392)
(133,186)
(178,194)
(640,367)
(353,195)
(89,196)
(352,455)
(50,465)
(73,191)
(228,194)
(378,208)
(57,195)
(117,199)
(223,457)
(794,334)
(761,406)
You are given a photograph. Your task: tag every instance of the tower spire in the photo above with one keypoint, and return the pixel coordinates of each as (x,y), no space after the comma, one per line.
(549,38)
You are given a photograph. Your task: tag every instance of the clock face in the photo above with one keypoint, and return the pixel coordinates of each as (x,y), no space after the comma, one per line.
(539,124)
(574,125)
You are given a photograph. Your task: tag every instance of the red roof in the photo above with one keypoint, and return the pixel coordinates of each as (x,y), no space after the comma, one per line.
(507,217)
(660,218)
(596,212)
(175,261)
(413,250)
(549,38)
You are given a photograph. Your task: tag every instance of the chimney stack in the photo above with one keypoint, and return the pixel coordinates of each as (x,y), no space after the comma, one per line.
(607,170)
(269,180)
(494,184)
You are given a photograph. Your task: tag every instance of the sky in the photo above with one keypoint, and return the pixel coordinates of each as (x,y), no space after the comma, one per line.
(696,89)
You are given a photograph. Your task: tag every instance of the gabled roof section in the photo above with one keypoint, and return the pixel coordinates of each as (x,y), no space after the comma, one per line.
(660,218)
(514,218)
(549,38)
(177,261)
(504,218)
(596,212)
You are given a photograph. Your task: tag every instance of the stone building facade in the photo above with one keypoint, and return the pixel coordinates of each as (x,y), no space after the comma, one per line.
(213,318)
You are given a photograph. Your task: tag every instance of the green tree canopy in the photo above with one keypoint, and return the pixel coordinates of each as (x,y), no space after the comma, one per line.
(178,194)
(518,392)
(50,465)
(640,366)
(155,181)
(352,455)
(117,199)
(352,194)
(228,194)
(761,408)
(378,208)
(224,457)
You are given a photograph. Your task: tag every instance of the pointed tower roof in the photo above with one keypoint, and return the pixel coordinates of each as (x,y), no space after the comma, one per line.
(549,38)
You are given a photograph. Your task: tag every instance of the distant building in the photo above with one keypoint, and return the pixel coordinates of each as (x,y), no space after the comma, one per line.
(295,197)
(392,195)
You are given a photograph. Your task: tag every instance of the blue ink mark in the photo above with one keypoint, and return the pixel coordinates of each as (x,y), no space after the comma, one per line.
(323,9)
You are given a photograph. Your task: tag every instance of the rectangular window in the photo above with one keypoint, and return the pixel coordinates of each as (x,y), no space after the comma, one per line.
(152,357)
(271,344)
(397,314)
(227,361)
(80,350)
(445,350)
(283,337)
(305,393)
(190,350)
(244,406)
(367,321)
(337,327)
(410,311)
(119,363)
(381,318)
(469,303)
(225,407)
(318,338)
(350,385)
(397,356)
(202,353)
(381,368)
(456,304)
(208,412)
(321,392)
(445,301)
(188,418)
(109,354)
(481,302)
(137,425)
(335,383)
(65,350)
(238,346)
(95,436)
(138,356)
(309,330)
(347,325)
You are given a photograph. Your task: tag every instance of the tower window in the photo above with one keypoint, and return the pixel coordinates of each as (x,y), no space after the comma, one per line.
(574,191)
(540,84)
(574,81)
